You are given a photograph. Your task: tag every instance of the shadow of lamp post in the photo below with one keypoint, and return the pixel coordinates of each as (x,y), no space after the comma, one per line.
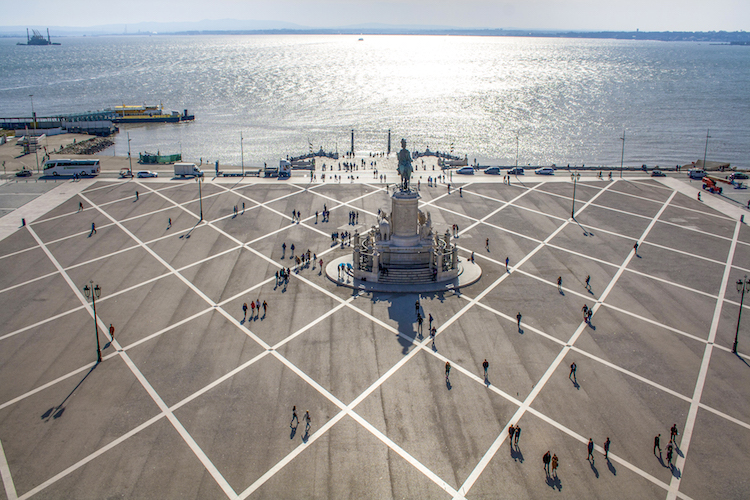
(93,292)
(742,285)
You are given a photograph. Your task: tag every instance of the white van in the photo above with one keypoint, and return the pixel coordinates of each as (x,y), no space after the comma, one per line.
(696,173)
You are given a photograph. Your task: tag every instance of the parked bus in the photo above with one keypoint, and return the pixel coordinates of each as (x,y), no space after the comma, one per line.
(71,167)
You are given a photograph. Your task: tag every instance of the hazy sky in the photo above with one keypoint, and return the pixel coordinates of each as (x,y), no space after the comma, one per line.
(626,15)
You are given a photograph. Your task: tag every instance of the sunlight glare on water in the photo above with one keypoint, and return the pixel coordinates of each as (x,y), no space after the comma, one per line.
(568,100)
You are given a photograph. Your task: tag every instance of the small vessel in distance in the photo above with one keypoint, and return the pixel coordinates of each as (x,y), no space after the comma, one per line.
(37,39)
(148,113)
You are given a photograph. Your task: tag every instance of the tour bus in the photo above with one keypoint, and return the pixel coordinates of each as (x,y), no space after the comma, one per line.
(71,167)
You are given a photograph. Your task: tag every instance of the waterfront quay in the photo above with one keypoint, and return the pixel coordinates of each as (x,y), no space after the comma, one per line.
(193,397)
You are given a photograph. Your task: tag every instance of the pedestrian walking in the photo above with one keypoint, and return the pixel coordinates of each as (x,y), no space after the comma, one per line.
(511,433)
(419,323)
(80,206)
(669,454)
(447,370)
(430,317)
(588,316)
(252,309)
(112,332)
(585,310)
(673,433)
(244,310)
(486,366)
(656,444)
(518,317)
(591,450)
(487,244)
(294,416)
(292,248)
(93,228)
(554,464)
(265,307)
(308,420)
(169,223)
(606,448)
(136,195)
(518,434)
(699,197)
(588,285)
(507,260)
(572,374)
(559,283)
(416,305)
(546,459)
(460,192)
(257,307)
(243,208)
(635,247)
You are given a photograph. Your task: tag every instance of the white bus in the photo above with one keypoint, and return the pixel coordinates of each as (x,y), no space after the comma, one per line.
(71,167)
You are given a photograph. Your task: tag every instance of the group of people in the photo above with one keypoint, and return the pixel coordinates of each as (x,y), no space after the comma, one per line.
(673,433)
(255,307)
(353,217)
(295,216)
(295,419)
(344,236)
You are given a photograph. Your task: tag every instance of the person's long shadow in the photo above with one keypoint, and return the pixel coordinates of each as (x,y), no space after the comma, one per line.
(594,469)
(675,471)
(293,432)
(575,384)
(448,383)
(515,453)
(487,381)
(611,467)
(742,359)
(561,292)
(554,482)
(57,411)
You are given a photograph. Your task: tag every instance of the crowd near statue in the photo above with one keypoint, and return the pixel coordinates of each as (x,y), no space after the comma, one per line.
(404,165)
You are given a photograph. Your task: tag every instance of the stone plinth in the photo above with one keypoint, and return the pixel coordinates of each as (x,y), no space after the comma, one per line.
(404,218)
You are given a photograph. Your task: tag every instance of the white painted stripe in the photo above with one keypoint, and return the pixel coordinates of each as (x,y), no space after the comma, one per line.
(10,488)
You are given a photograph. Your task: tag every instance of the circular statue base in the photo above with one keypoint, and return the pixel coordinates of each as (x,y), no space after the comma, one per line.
(468,274)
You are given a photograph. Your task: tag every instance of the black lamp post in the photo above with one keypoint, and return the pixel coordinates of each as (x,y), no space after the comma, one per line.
(742,285)
(200,196)
(574,177)
(97,291)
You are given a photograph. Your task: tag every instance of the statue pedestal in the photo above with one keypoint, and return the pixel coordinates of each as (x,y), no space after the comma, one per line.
(404,219)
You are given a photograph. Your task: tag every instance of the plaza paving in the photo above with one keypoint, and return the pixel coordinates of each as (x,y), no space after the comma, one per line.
(192,400)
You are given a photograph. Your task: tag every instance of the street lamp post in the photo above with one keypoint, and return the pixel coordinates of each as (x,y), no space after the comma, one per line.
(200,195)
(130,160)
(93,292)
(705,151)
(622,156)
(36,144)
(742,285)
(574,177)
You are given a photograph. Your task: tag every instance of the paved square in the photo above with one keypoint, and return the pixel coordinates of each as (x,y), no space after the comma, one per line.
(194,397)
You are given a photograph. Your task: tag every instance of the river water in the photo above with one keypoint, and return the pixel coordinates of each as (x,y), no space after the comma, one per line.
(567,101)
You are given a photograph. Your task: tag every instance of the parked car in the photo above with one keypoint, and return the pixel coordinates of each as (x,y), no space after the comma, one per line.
(146,173)
(545,171)
(492,170)
(515,171)
(465,171)
(696,173)
(658,173)
(24,173)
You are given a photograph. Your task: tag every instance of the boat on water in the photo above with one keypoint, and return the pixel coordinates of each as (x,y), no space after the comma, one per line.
(148,113)
(37,39)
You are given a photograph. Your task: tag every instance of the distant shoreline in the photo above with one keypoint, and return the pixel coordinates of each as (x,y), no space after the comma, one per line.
(739,38)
